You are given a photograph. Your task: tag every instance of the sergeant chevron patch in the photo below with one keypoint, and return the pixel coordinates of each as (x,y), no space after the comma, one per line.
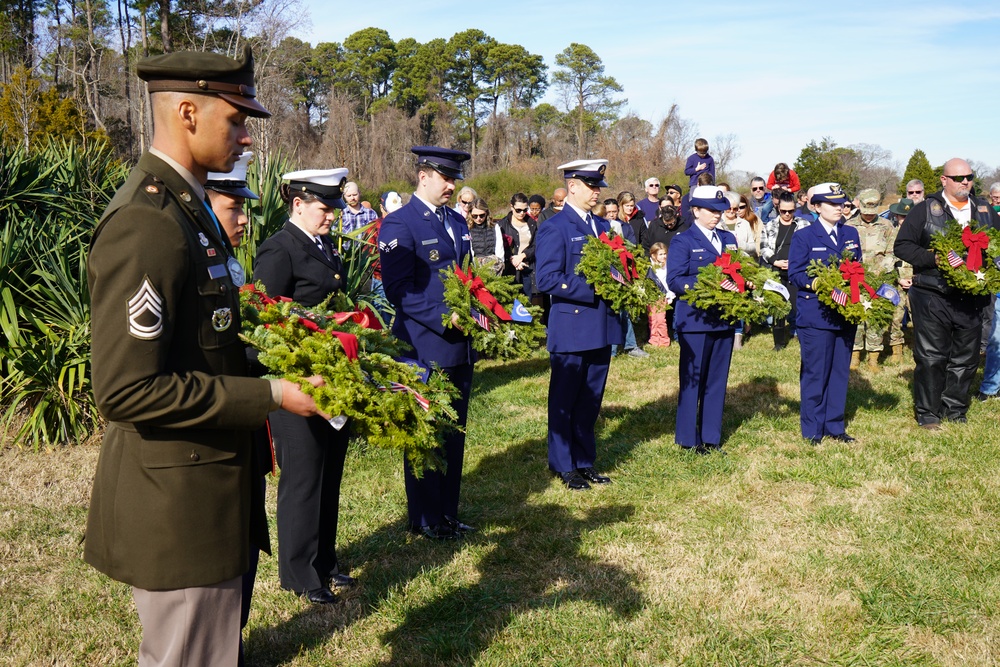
(145,312)
(386,246)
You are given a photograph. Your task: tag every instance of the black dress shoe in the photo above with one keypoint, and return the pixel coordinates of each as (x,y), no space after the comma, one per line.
(715,448)
(984,397)
(457,525)
(573,480)
(321,596)
(815,441)
(592,475)
(843,437)
(439,532)
(341,581)
(700,450)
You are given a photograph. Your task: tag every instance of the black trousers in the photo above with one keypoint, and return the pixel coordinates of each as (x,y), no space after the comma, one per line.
(311,456)
(946,352)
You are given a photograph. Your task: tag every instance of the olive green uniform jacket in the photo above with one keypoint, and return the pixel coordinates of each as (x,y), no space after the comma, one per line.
(171,504)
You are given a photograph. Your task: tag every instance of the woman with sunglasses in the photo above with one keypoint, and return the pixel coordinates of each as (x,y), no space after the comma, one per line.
(774,246)
(519,229)
(488,245)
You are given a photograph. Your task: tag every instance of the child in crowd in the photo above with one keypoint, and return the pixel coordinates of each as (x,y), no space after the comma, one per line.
(659,335)
(700,162)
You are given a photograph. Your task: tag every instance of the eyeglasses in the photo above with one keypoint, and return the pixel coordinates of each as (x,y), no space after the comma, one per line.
(477,216)
(734,209)
(961,177)
(742,206)
(759,189)
(914,192)
(653,185)
(520,210)
(465,203)
(786,211)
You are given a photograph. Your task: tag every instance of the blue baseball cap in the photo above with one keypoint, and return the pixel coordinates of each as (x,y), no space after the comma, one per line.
(446,161)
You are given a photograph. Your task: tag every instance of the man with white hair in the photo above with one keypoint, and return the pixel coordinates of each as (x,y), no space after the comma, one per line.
(947,323)
(650,206)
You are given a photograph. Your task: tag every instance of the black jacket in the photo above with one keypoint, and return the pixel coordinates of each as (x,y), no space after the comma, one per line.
(659,232)
(290,264)
(512,241)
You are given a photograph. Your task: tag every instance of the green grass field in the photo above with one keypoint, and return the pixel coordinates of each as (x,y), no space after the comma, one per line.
(879,552)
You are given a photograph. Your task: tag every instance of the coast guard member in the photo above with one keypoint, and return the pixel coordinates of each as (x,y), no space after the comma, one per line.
(825,338)
(415,243)
(175,506)
(706,340)
(300,261)
(581,327)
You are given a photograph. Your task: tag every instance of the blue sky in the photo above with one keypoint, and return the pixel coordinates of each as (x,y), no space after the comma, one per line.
(902,75)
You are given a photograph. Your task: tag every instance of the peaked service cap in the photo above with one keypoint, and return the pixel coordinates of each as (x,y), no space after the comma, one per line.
(445,161)
(326,184)
(590,172)
(235,182)
(708,196)
(828,193)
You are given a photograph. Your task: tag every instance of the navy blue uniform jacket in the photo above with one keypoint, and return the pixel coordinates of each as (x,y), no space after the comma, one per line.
(811,243)
(578,320)
(413,247)
(689,251)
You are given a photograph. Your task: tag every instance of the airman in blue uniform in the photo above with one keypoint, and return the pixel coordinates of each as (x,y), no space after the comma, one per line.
(706,340)
(825,337)
(581,327)
(415,243)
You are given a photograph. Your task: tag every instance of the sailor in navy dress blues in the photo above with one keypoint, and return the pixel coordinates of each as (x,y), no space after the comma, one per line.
(581,327)
(415,243)
(300,262)
(825,337)
(706,340)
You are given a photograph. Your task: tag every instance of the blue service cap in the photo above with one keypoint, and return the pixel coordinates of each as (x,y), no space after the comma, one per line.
(829,193)
(709,196)
(446,161)
(590,172)
(326,184)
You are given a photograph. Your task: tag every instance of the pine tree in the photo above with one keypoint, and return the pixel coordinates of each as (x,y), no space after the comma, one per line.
(918,167)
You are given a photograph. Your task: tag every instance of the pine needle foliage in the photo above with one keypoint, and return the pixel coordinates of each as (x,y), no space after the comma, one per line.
(753,305)
(503,339)
(379,394)
(961,277)
(875,312)
(634,295)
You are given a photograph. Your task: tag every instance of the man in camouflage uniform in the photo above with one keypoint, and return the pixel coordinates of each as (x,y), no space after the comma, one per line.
(877,237)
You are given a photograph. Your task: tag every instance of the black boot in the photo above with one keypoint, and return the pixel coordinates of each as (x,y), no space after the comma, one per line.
(780,337)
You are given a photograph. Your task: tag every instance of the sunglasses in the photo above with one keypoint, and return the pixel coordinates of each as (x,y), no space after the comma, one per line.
(520,210)
(478,216)
(961,177)
(760,189)
(464,203)
(914,192)
(783,211)
(653,185)
(742,206)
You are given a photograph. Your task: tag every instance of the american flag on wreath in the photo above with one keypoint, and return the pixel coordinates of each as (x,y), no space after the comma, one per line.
(617,275)
(728,284)
(839,297)
(954,260)
(421,400)
(480,319)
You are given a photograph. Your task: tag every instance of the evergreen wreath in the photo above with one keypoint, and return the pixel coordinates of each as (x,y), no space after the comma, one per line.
(725,287)
(619,273)
(968,257)
(491,312)
(395,404)
(842,287)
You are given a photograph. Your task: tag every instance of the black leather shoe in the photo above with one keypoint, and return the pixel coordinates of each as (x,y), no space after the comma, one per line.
(573,480)
(341,581)
(592,475)
(700,450)
(441,532)
(958,420)
(843,437)
(984,397)
(715,448)
(457,525)
(321,596)
(815,441)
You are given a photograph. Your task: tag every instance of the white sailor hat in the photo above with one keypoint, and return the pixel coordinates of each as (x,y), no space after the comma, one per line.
(828,193)
(235,182)
(445,161)
(590,172)
(708,196)
(326,184)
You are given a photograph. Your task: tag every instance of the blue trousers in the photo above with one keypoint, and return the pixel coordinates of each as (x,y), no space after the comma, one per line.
(823,375)
(991,374)
(576,390)
(704,374)
(434,495)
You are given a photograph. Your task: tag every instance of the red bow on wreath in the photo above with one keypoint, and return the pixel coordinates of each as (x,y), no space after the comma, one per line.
(348,341)
(624,256)
(854,272)
(731,269)
(478,290)
(977,243)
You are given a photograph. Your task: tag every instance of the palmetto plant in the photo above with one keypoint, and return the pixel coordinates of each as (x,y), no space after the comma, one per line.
(49,205)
